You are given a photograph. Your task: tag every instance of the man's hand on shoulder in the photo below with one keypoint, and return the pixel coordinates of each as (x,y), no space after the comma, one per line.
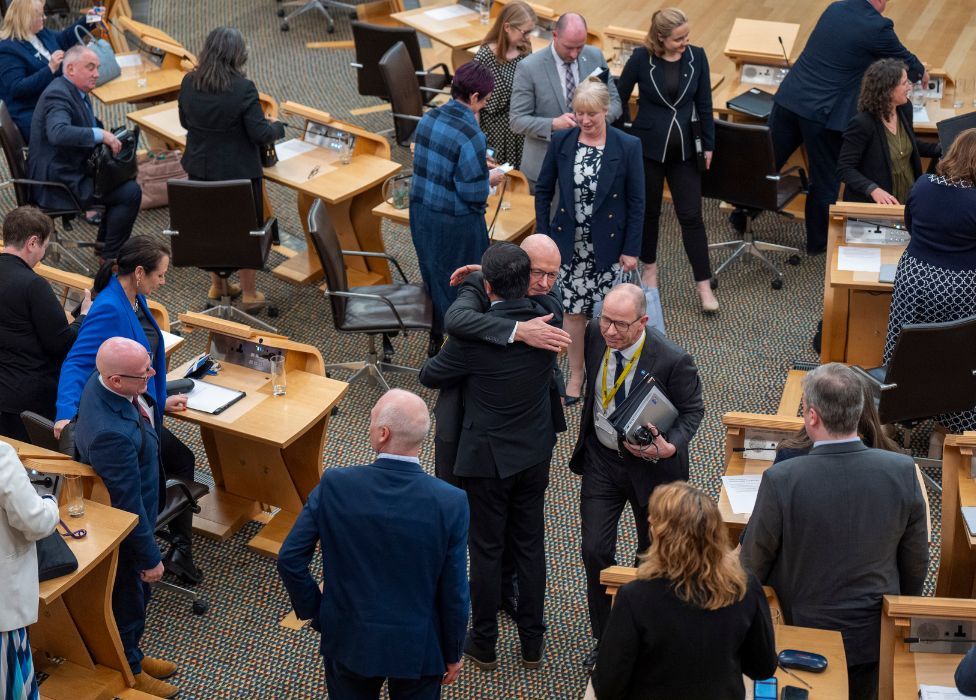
(459,275)
(539,334)
(452,672)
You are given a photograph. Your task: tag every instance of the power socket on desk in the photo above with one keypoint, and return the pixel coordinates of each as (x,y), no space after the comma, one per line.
(755,74)
(954,636)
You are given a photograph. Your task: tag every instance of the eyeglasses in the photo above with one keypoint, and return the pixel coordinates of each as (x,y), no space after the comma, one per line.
(619,326)
(141,378)
(538,274)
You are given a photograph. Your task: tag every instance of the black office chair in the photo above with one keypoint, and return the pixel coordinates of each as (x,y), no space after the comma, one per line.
(15,152)
(372,41)
(213,226)
(374,310)
(180,496)
(308,5)
(743,173)
(407,96)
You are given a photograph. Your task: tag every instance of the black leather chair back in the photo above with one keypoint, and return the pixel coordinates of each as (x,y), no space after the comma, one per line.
(933,365)
(372,41)
(15,151)
(405,96)
(214,222)
(743,158)
(326,242)
(40,430)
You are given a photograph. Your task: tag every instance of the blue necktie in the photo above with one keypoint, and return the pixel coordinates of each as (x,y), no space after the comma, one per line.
(91,110)
(621,394)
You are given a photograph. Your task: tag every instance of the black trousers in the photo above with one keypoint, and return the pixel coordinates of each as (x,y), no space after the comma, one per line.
(121,210)
(344,684)
(130,596)
(684,180)
(862,681)
(606,489)
(507,513)
(788,130)
(178,463)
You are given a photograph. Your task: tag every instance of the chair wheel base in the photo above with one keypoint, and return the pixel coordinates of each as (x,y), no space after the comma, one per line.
(777,283)
(272,312)
(200,607)
(793,260)
(284,26)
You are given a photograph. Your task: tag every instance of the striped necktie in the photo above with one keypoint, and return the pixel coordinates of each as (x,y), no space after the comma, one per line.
(570,84)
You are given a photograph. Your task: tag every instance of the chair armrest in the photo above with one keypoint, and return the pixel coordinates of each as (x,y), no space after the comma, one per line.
(376,254)
(439,66)
(789,171)
(46,183)
(411,117)
(266,229)
(357,295)
(357,66)
(435,91)
(194,506)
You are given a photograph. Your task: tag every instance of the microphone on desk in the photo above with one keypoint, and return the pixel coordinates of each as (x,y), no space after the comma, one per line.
(785,54)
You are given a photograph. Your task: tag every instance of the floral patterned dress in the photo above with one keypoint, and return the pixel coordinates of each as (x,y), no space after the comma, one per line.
(584,285)
(494,116)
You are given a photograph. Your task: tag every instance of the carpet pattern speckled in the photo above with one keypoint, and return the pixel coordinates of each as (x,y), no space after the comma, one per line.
(238,650)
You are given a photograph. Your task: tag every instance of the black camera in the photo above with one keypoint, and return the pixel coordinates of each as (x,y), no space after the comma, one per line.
(643,436)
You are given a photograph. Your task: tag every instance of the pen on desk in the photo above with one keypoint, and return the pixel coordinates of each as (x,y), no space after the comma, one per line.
(313,173)
(788,671)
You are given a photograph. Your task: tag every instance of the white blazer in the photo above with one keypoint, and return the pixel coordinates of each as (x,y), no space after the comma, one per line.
(25,518)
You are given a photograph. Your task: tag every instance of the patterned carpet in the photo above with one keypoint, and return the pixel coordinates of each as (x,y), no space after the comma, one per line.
(238,649)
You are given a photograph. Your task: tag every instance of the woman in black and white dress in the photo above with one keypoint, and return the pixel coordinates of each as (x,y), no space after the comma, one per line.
(506,44)
(597,223)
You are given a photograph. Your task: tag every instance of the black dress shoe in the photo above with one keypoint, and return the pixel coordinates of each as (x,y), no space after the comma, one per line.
(532,653)
(590,662)
(509,606)
(570,400)
(484,659)
(179,562)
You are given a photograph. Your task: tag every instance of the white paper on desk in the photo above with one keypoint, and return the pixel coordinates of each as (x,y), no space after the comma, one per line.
(170,340)
(742,492)
(129,60)
(210,398)
(858,259)
(939,692)
(920,114)
(450,12)
(292,147)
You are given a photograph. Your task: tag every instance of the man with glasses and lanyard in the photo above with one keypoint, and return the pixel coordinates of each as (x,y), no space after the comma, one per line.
(619,349)
(116,436)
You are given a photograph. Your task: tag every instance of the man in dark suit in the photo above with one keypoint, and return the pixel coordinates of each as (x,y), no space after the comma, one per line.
(395,601)
(819,96)
(115,435)
(64,131)
(506,442)
(619,349)
(835,530)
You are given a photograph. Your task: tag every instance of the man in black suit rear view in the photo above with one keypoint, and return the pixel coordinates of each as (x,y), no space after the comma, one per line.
(505,446)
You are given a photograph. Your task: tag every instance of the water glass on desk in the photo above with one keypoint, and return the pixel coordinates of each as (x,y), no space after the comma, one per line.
(484,7)
(72,495)
(279,380)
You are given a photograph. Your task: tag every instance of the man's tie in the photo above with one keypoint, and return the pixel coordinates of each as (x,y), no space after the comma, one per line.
(621,394)
(142,411)
(570,84)
(91,110)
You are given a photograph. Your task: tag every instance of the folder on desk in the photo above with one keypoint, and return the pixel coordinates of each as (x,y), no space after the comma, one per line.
(210,398)
(754,102)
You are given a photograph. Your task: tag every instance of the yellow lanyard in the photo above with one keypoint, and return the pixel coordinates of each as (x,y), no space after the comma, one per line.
(606,397)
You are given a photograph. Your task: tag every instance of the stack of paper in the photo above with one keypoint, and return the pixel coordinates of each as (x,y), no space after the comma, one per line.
(939,692)
(742,491)
(858,259)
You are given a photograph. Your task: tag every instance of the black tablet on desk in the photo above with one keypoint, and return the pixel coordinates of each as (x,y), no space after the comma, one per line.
(754,102)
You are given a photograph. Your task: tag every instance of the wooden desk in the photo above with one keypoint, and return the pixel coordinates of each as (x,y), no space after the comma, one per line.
(829,685)
(511,226)
(757,41)
(901,670)
(957,565)
(349,192)
(264,449)
(25,450)
(160,83)
(457,32)
(856,304)
(75,620)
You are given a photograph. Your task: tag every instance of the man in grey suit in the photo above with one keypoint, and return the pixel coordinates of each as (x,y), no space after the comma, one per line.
(835,530)
(542,92)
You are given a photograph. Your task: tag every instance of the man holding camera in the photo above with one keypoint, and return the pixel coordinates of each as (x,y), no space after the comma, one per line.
(619,350)
(64,132)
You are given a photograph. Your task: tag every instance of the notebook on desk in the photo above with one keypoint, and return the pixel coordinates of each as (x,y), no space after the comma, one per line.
(210,398)
(754,102)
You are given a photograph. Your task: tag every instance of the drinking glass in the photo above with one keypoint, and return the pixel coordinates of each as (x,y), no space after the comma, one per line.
(278,378)
(72,495)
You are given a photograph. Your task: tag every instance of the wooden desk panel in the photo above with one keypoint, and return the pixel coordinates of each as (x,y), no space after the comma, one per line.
(456,32)
(159,83)
(957,564)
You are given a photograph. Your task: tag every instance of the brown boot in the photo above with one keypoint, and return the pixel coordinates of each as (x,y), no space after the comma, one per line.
(253,303)
(158,668)
(153,686)
(233,291)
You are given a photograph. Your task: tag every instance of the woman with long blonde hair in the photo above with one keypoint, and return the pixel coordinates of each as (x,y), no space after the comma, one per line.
(694,621)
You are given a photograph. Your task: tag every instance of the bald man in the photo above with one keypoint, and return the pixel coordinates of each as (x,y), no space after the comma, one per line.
(394,562)
(116,436)
(619,350)
(542,90)
(64,132)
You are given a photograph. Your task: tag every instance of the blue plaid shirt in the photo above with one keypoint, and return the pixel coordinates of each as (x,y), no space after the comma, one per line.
(450,175)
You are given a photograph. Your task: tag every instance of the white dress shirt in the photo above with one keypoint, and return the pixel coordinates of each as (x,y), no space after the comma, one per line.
(611,370)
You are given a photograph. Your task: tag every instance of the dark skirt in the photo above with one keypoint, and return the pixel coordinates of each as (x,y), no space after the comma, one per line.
(444,243)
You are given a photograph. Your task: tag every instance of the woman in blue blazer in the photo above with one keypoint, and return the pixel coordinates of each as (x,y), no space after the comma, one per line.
(675,98)
(120,310)
(596,171)
(30,58)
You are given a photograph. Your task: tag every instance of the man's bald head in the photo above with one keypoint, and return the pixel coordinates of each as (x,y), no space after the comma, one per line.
(544,259)
(624,316)
(569,36)
(122,363)
(399,422)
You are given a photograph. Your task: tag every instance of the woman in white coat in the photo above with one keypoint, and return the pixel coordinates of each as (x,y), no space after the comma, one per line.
(25,518)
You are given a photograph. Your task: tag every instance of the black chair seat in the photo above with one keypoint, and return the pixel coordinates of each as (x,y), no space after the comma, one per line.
(787,189)
(373,316)
(176,499)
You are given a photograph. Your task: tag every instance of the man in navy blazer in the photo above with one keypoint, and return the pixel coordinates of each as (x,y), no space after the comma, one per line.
(394,604)
(64,131)
(819,96)
(115,435)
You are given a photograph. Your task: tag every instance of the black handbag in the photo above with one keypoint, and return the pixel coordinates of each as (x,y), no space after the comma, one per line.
(54,557)
(696,136)
(269,155)
(110,170)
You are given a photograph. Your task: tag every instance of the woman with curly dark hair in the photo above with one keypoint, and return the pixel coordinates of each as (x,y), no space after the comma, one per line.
(880,158)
